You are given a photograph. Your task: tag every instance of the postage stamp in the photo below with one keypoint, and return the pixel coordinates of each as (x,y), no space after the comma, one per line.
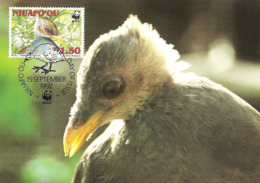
(46,32)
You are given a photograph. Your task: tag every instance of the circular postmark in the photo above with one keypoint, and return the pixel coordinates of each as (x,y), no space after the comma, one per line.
(45,73)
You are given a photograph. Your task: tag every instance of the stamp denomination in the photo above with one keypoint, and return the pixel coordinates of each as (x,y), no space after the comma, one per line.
(40,32)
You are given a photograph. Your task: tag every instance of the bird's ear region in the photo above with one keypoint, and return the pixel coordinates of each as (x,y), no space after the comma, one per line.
(40,29)
(54,35)
(51,31)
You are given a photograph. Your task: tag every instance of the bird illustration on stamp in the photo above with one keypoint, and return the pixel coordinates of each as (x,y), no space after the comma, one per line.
(45,36)
(43,46)
(45,32)
(33,26)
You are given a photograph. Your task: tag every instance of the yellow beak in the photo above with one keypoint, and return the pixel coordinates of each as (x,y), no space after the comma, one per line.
(57,38)
(75,137)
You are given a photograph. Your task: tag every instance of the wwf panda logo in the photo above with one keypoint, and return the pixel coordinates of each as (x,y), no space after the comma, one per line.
(75,15)
(47,95)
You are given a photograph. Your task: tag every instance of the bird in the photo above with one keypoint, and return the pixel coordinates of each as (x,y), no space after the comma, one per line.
(162,123)
(45,31)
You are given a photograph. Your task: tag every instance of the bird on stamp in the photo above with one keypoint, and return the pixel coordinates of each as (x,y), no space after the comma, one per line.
(45,32)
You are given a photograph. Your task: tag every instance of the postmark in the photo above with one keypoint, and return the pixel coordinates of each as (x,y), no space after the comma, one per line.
(38,27)
(48,76)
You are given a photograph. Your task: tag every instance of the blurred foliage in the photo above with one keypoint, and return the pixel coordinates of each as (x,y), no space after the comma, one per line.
(45,168)
(20,127)
(22,30)
(18,118)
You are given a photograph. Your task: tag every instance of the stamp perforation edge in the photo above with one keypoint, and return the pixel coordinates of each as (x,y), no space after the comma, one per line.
(30,7)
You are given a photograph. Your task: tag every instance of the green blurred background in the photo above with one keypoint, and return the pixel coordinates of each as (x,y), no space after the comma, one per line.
(219,38)
(30,132)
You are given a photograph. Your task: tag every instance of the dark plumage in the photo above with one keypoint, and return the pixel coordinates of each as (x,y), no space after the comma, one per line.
(166,125)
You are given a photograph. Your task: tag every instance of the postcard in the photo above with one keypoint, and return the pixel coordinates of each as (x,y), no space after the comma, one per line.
(132,91)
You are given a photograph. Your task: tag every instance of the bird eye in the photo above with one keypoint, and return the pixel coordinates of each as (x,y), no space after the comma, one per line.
(112,86)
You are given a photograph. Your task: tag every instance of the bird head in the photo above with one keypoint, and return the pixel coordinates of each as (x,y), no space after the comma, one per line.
(121,71)
(44,27)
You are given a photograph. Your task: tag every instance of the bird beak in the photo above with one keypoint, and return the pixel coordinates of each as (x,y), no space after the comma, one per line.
(57,38)
(75,136)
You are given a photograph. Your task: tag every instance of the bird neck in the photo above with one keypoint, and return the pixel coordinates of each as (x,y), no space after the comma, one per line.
(152,106)
(151,87)
(43,41)
(150,128)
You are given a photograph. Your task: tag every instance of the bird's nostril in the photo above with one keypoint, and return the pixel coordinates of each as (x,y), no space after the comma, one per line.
(79,123)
